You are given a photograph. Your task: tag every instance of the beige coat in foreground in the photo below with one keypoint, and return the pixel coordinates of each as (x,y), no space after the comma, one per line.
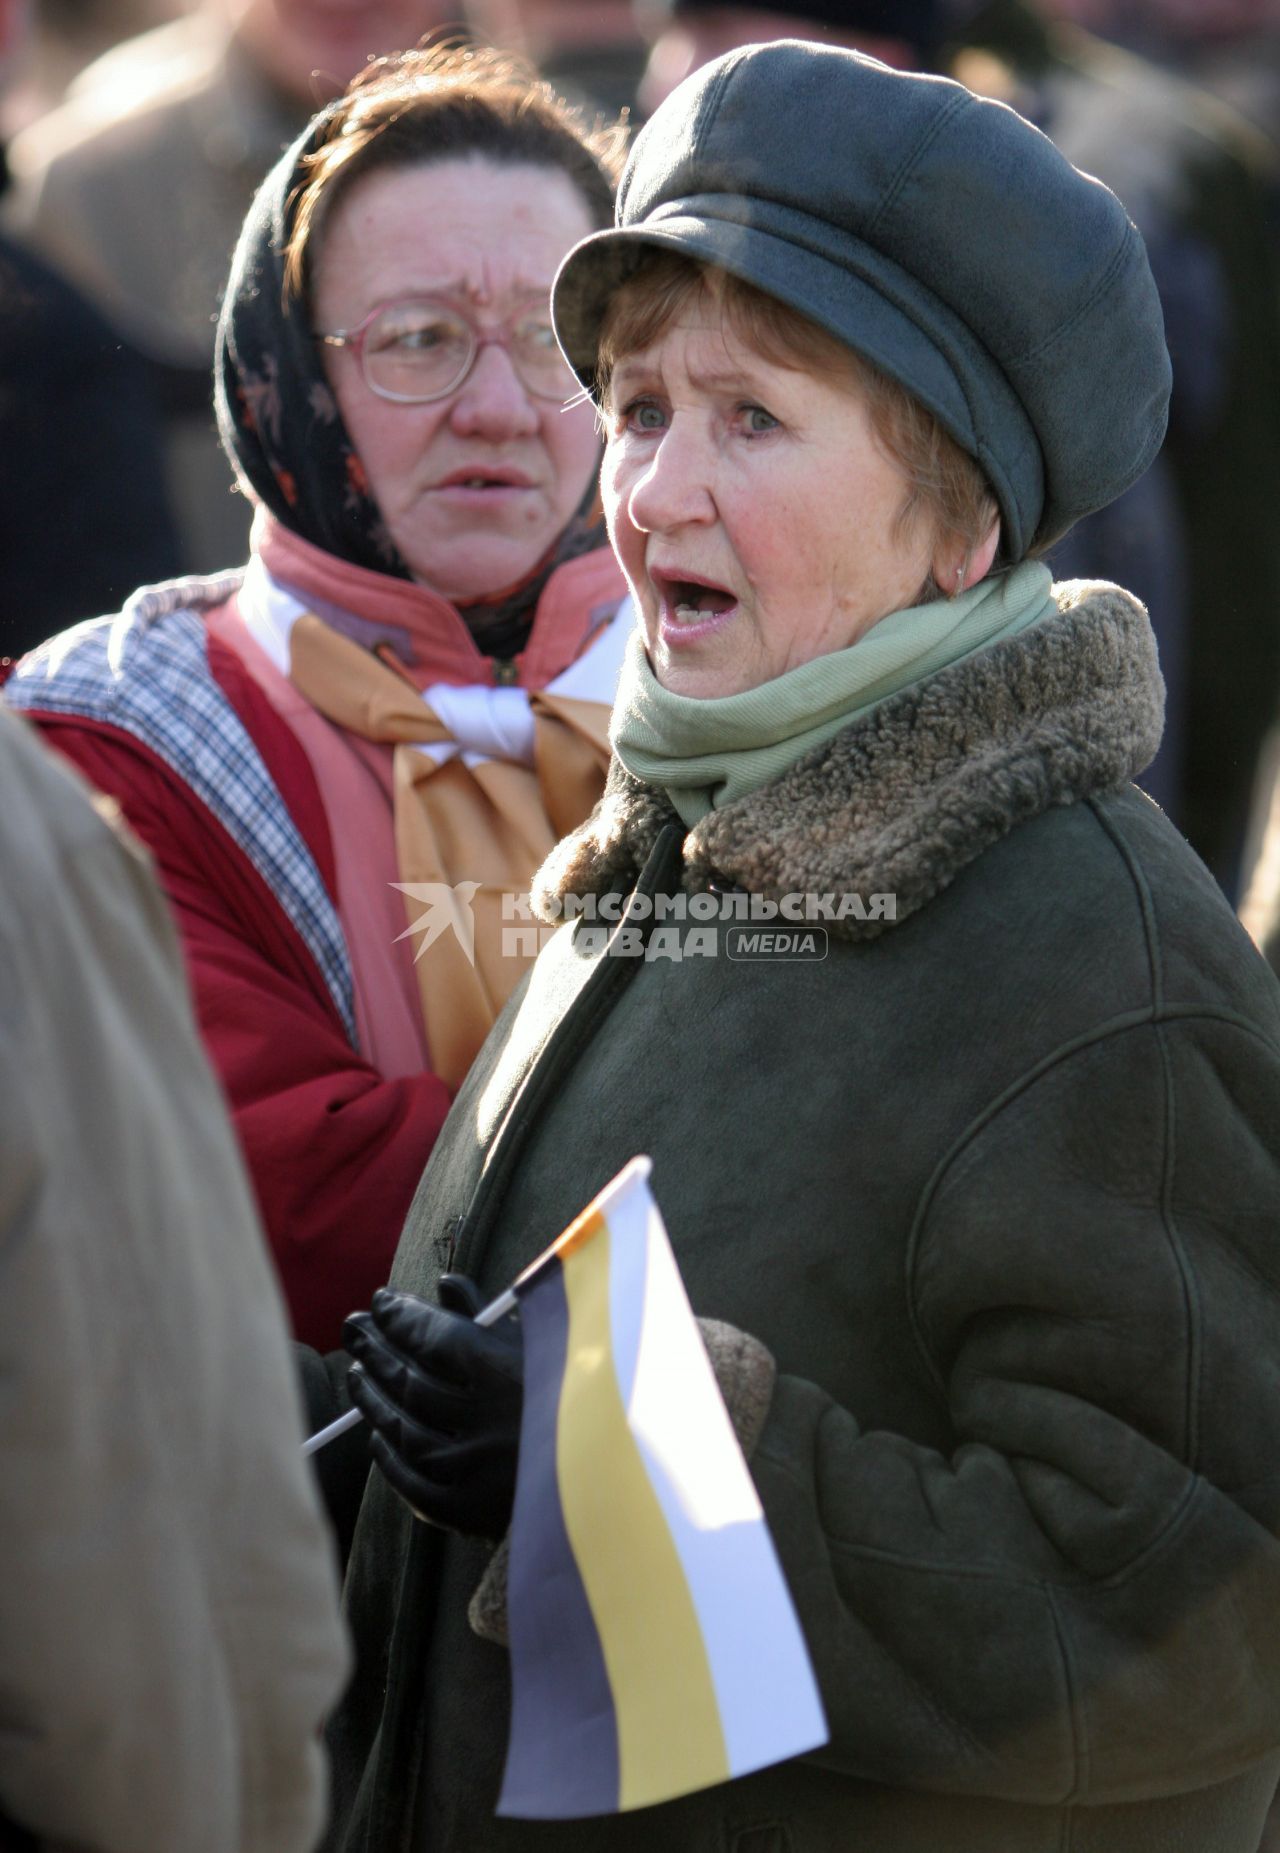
(169,1631)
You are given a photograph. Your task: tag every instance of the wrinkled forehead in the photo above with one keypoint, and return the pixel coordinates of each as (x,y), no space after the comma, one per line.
(471,231)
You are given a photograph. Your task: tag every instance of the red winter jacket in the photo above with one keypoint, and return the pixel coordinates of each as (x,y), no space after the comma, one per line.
(154,708)
(334,1151)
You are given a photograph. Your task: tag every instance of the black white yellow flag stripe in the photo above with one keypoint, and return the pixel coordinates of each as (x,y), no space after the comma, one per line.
(654,1645)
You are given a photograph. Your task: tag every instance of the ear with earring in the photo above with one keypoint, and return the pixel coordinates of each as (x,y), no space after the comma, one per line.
(971,569)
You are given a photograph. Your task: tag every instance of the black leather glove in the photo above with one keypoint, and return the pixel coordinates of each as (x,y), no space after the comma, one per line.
(442,1397)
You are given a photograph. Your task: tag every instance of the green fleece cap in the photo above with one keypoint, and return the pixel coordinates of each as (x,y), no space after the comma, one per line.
(936,233)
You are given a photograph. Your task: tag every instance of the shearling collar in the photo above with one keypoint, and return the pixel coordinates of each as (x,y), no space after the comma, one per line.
(904,799)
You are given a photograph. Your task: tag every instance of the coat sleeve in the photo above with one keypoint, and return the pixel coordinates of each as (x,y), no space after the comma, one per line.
(334,1150)
(1077,1599)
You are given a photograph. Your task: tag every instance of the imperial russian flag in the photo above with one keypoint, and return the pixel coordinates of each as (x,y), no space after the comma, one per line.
(654,1646)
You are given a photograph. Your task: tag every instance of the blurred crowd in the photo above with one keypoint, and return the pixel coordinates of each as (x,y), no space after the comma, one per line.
(136,134)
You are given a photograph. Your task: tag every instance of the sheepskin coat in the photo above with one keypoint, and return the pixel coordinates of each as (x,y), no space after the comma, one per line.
(995,1183)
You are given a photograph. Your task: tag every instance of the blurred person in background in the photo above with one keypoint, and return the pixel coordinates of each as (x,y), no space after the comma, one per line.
(410,684)
(84,516)
(170,1642)
(138,184)
(1196,538)
(1231,47)
(1199,183)
(66,35)
(593,53)
(686,34)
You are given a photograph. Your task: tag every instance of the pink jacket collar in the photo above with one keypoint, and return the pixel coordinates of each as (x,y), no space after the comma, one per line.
(576,598)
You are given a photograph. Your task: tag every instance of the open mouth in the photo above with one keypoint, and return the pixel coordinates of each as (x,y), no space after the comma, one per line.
(692,601)
(485,479)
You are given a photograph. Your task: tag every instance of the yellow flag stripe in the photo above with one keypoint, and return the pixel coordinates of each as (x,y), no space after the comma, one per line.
(670,1738)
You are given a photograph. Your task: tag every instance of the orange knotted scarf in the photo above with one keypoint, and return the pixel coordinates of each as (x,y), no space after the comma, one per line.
(461,819)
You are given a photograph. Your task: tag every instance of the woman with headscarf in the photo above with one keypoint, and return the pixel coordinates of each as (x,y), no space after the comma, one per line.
(986,1185)
(383,725)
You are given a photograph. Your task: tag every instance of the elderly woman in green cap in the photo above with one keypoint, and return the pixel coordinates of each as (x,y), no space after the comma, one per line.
(985,1187)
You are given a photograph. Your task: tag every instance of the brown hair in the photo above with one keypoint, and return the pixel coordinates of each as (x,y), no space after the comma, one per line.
(445,102)
(945,484)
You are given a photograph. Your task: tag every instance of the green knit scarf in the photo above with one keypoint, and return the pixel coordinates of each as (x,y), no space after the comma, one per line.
(704,754)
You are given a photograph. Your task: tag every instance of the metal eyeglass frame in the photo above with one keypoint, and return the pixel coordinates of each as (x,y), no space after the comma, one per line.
(355,338)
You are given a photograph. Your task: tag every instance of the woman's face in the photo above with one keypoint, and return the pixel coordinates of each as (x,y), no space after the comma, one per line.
(474,488)
(751,506)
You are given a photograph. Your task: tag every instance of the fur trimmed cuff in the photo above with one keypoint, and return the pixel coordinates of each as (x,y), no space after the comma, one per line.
(487,1609)
(745,1372)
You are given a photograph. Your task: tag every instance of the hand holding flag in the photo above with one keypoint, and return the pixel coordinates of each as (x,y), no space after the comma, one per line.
(654,1646)
(442,1396)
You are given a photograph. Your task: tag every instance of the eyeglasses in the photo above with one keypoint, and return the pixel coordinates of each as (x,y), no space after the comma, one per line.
(413,352)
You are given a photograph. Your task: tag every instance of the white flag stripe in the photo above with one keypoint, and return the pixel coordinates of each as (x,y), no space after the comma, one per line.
(627,1215)
(768,1698)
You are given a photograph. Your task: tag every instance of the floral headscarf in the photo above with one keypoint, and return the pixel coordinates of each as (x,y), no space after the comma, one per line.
(281,427)
(279,421)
